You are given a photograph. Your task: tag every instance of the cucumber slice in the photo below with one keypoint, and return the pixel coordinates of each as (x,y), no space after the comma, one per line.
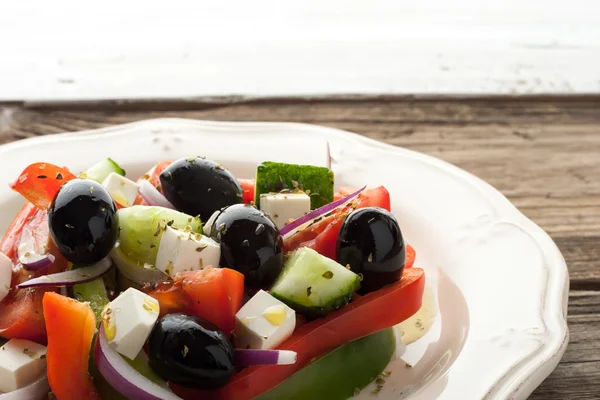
(98,172)
(338,374)
(93,292)
(141,228)
(314,285)
(317,182)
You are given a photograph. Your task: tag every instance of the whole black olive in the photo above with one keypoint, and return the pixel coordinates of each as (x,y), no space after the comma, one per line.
(197,186)
(83,221)
(370,241)
(190,351)
(250,244)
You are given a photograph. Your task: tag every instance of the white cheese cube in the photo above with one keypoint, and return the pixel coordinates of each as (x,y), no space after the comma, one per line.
(282,207)
(186,251)
(122,190)
(263,323)
(128,321)
(5,275)
(21,362)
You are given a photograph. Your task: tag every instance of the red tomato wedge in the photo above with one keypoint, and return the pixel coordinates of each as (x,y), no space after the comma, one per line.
(152,176)
(214,294)
(39,183)
(322,236)
(365,315)
(21,314)
(71,326)
(248,187)
(411,254)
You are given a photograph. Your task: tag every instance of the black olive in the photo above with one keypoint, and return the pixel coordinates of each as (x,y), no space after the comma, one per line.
(250,244)
(83,221)
(370,241)
(190,351)
(197,186)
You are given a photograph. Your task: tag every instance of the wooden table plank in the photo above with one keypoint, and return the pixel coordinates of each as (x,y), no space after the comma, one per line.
(543,154)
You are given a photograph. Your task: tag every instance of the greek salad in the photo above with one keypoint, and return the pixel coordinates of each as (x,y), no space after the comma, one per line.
(191,283)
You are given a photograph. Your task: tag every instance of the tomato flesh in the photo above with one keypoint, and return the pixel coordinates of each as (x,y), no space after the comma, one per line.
(214,294)
(152,176)
(365,315)
(39,183)
(248,188)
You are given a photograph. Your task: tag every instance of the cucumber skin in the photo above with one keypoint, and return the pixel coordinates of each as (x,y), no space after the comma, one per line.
(314,312)
(273,177)
(338,374)
(98,171)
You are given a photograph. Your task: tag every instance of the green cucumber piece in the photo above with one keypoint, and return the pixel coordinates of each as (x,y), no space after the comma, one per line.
(338,374)
(274,177)
(98,172)
(141,228)
(313,284)
(93,292)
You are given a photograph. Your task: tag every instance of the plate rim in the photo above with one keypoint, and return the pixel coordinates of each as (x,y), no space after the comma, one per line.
(557,282)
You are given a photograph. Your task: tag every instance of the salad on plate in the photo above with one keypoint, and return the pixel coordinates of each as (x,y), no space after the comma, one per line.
(192,283)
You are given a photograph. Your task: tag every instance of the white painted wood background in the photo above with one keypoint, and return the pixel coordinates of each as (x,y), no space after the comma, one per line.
(73,49)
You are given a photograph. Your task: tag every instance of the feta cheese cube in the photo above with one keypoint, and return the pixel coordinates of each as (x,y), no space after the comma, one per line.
(263,323)
(122,190)
(186,251)
(282,207)
(128,321)
(5,275)
(21,362)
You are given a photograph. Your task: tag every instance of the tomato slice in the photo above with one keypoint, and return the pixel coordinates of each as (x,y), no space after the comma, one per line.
(214,294)
(248,187)
(71,327)
(325,232)
(411,254)
(21,313)
(152,176)
(365,315)
(39,183)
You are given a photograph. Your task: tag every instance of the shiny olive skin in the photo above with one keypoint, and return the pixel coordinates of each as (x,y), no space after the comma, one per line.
(83,221)
(250,243)
(190,351)
(370,241)
(197,186)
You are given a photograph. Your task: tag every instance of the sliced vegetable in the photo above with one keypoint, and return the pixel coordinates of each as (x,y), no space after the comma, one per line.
(71,326)
(70,278)
(216,294)
(11,239)
(141,227)
(338,374)
(248,188)
(21,315)
(123,377)
(36,390)
(152,176)
(312,216)
(322,235)
(39,183)
(317,182)
(152,196)
(29,256)
(314,285)
(245,357)
(365,315)
(411,254)
(93,292)
(100,171)
(133,271)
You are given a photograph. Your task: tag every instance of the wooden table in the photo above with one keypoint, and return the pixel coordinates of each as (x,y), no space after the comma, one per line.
(542,153)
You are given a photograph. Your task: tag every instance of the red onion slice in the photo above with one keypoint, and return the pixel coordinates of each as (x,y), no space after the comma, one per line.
(246,357)
(152,196)
(36,390)
(123,377)
(72,277)
(28,256)
(291,228)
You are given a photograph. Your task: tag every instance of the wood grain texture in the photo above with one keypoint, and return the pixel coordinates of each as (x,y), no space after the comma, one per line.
(543,154)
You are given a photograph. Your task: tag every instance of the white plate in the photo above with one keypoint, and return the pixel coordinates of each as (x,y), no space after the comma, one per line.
(500,281)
